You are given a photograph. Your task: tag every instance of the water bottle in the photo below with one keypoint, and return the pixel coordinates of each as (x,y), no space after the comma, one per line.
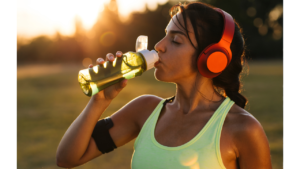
(129,65)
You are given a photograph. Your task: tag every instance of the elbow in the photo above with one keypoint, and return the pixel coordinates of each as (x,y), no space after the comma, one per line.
(63,164)
(60,162)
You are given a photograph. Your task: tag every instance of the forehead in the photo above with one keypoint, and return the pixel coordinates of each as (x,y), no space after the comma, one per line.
(177,23)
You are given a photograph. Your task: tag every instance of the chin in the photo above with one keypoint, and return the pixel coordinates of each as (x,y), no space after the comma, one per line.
(160,76)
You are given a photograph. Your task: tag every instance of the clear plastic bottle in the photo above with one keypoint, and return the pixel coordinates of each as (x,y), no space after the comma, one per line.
(129,65)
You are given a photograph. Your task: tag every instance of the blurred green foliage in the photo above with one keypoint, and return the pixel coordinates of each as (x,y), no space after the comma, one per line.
(261,21)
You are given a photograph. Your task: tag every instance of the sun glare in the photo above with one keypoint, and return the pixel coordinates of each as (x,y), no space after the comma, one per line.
(128,6)
(189,158)
(108,38)
(86,62)
(47,17)
(36,17)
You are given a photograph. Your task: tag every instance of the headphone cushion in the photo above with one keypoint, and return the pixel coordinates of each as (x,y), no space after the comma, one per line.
(212,61)
(216,62)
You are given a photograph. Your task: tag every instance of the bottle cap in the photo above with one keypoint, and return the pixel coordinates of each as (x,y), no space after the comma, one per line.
(150,57)
(141,43)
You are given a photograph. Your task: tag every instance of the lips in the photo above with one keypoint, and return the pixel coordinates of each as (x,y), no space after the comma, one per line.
(157,63)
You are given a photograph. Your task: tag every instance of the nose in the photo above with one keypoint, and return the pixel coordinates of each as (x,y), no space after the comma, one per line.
(160,47)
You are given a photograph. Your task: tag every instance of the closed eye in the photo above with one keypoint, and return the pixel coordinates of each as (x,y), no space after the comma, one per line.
(175,42)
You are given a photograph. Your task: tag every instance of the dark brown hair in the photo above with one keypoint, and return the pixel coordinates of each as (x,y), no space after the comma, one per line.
(208,27)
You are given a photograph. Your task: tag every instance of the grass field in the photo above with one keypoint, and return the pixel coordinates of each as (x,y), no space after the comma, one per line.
(49,99)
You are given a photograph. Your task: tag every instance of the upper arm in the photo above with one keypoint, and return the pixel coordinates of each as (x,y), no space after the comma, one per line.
(126,124)
(127,120)
(252,144)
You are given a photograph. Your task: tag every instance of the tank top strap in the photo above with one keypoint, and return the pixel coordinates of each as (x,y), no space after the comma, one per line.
(222,112)
(218,118)
(217,125)
(224,108)
(145,130)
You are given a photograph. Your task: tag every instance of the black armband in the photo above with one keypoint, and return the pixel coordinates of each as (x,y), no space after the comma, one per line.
(102,137)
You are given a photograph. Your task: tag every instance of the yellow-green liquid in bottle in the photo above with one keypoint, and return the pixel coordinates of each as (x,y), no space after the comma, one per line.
(97,78)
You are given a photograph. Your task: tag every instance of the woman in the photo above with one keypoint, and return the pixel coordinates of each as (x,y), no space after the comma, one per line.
(203,126)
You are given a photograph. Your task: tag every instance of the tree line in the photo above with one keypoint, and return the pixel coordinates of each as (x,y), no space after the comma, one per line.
(261,22)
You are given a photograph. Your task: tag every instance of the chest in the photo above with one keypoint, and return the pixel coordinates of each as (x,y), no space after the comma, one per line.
(175,130)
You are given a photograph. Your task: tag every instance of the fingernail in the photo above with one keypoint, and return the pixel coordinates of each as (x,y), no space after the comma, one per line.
(99,60)
(111,57)
(118,53)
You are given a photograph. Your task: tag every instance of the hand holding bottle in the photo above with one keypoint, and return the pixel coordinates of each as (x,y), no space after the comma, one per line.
(115,69)
(112,91)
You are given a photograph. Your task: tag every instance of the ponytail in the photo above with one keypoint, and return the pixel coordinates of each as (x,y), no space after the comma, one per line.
(229,79)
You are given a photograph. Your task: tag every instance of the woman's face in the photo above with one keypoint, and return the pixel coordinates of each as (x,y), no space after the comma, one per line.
(176,53)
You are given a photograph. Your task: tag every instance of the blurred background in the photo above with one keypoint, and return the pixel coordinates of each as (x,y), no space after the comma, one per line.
(55,39)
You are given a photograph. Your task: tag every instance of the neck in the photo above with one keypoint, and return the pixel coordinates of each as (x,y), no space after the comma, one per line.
(198,94)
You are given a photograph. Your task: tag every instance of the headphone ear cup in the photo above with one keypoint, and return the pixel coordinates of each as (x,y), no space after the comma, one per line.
(216,62)
(211,63)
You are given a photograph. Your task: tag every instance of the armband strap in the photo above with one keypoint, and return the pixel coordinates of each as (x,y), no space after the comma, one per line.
(102,137)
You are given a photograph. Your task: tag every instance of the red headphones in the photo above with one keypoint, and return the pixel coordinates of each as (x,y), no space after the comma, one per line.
(216,57)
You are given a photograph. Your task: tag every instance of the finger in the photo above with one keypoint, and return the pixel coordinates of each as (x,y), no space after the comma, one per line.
(119,86)
(124,83)
(110,57)
(119,54)
(91,65)
(100,61)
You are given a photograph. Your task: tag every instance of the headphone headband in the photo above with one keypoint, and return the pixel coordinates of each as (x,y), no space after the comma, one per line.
(228,29)
(216,57)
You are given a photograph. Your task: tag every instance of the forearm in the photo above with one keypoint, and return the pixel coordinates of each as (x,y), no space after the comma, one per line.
(76,139)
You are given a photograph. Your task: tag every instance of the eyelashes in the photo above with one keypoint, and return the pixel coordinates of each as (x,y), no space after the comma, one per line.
(175,42)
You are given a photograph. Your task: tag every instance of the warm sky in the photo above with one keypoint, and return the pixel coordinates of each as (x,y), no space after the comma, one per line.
(35,17)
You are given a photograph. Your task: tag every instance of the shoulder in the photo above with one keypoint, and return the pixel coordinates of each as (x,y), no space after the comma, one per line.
(141,107)
(143,103)
(243,123)
(246,130)
(241,119)
(129,119)
(147,100)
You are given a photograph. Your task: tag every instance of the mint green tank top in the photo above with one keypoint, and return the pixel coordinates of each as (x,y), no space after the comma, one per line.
(202,152)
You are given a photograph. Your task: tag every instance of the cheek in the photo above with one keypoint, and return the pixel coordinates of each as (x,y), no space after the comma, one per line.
(173,73)
(177,66)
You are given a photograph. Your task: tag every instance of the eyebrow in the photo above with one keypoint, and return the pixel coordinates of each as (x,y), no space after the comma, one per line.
(175,32)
